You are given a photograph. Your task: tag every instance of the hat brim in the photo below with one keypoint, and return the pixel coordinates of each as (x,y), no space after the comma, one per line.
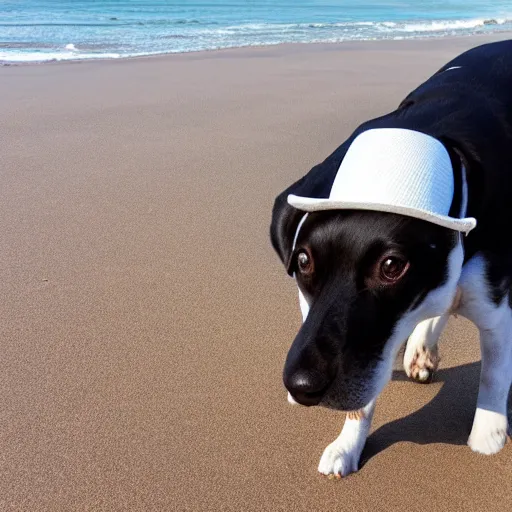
(311,204)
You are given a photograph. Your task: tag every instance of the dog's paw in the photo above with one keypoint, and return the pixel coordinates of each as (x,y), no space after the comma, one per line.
(338,462)
(420,363)
(489,432)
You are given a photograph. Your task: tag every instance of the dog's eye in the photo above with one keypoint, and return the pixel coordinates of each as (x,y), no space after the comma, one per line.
(305,262)
(392,268)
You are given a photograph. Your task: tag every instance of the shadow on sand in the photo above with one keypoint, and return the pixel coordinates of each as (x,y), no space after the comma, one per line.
(445,419)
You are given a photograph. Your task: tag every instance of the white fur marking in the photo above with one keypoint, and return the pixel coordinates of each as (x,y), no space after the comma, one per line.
(342,456)
(453,67)
(291,399)
(489,432)
(304,306)
(301,222)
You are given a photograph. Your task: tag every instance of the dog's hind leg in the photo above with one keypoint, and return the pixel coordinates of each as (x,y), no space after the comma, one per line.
(421,357)
(342,456)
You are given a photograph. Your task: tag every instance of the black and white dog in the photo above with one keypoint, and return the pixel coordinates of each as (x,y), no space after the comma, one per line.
(373,272)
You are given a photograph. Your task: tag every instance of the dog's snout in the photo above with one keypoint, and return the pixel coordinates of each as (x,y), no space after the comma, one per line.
(306,387)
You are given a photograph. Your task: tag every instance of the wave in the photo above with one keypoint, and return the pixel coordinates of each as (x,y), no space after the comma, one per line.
(435,26)
(424,26)
(192,35)
(19,58)
(109,22)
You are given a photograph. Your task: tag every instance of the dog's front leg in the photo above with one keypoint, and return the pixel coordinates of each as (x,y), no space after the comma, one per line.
(421,357)
(342,456)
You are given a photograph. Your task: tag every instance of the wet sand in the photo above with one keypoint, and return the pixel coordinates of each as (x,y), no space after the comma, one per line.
(145,318)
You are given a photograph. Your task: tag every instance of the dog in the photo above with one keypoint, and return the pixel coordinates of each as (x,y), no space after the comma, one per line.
(404,224)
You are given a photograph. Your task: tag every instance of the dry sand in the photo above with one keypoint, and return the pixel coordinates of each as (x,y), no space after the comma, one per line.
(145,318)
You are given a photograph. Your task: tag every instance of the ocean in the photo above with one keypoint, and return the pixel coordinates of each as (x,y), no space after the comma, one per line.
(45,30)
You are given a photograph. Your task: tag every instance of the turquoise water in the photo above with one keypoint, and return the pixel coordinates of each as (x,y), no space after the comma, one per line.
(41,30)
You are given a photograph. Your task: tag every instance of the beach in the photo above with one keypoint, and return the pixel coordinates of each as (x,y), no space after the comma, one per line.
(145,317)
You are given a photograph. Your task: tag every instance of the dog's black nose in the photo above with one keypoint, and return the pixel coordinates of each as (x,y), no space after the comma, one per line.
(307,387)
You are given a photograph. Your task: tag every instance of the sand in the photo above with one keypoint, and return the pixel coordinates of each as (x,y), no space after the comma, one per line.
(145,318)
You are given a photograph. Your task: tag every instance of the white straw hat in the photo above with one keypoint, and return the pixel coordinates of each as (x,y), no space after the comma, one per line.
(397,171)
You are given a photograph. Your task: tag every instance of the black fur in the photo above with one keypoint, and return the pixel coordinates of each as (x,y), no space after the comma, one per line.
(470,111)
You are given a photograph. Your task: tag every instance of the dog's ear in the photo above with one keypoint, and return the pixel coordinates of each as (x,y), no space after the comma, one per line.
(285,218)
(316,183)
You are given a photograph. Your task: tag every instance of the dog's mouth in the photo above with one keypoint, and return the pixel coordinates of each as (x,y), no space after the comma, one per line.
(332,398)
(308,400)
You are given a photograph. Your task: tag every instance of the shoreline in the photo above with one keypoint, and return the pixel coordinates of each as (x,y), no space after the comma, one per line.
(287,46)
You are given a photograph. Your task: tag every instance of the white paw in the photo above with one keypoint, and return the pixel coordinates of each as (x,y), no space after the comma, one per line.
(421,357)
(489,432)
(338,462)
(421,363)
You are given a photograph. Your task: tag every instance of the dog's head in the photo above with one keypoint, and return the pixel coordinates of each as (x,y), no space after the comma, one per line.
(368,278)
